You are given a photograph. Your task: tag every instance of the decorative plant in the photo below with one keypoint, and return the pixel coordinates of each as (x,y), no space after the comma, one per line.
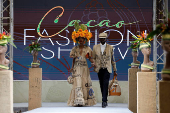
(133,46)
(163,28)
(142,38)
(5,39)
(80,31)
(34,46)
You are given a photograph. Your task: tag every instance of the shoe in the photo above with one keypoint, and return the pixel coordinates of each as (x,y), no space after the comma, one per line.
(80,105)
(104,104)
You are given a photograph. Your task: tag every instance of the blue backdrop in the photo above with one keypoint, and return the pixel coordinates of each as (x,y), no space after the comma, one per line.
(27,15)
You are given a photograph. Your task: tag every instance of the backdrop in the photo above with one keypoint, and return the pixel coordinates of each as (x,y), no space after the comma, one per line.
(119,18)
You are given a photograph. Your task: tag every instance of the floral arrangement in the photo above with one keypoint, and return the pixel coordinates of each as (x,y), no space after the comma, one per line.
(163,28)
(80,31)
(34,46)
(5,39)
(133,46)
(141,39)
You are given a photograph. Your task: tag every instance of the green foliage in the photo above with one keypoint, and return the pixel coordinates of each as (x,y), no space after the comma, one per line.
(76,25)
(81,26)
(34,46)
(162,28)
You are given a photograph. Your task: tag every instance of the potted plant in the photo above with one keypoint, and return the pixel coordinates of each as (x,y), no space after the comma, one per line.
(4,40)
(135,63)
(34,48)
(164,30)
(143,42)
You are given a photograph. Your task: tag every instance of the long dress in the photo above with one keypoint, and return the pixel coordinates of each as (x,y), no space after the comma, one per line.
(82,92)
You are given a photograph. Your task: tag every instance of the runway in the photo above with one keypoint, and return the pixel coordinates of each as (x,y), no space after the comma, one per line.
(63,108)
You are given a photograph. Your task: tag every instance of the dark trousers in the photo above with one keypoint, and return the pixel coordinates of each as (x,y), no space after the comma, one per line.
(104,76)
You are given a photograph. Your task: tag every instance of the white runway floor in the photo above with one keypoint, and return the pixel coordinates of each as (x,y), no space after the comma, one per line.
(63,108)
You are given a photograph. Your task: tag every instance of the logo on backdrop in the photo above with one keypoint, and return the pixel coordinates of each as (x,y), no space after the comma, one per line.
(71,23)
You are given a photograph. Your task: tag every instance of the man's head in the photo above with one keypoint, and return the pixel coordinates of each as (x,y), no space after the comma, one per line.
(102,38)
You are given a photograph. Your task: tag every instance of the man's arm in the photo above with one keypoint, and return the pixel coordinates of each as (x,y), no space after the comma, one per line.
(93,53)
(113,62)
(94,56)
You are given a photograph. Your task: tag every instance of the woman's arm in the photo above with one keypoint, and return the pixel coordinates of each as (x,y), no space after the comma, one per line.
(73,55)
(92,61)
(72,65)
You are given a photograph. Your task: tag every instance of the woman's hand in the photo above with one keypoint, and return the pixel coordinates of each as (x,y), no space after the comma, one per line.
(87,55)
(71,70)
(93,64)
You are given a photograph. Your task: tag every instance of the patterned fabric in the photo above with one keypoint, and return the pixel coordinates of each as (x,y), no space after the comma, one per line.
(70,80)
(166,71)
(135,65)
(114,88)
(146,66)
(105,60)
(91,92)
(82,92)
(144,45)
(4,67)
(35,63)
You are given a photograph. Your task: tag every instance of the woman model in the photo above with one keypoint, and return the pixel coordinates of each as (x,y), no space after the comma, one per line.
(82,93)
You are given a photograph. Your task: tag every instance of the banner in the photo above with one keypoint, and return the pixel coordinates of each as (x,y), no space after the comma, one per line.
(51,22)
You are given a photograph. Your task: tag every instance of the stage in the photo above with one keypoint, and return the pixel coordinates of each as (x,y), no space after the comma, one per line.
(62,107)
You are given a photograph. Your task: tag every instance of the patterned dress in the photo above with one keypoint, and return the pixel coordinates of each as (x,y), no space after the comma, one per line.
(82,92)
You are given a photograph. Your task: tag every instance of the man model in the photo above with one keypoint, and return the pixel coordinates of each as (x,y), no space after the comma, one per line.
(103,56)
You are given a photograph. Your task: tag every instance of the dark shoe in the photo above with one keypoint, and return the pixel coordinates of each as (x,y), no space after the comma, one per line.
(104,104)
(79,105)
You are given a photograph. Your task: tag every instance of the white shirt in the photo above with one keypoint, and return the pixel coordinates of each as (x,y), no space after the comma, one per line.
(102,47)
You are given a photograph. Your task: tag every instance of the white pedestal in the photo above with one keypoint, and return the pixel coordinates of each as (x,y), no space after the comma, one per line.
(6,91)
(146,92)
(35,88)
